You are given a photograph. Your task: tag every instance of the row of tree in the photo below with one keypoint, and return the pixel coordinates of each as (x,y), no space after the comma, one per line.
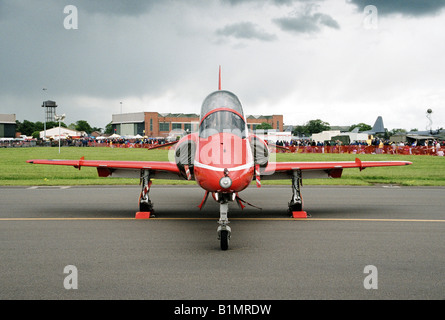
(311,127)
(33,129)
(317,126)
(314,126)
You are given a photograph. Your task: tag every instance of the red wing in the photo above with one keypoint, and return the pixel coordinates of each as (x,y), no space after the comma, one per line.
(105,168)
(280,170)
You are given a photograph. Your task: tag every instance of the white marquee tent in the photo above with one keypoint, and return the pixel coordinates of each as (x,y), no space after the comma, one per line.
(64,133)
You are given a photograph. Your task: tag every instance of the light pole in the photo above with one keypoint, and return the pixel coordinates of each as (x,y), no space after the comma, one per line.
(44,116)
(59,118)
(430,124)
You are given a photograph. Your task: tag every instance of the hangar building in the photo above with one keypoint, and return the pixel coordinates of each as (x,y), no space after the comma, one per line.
(7,125)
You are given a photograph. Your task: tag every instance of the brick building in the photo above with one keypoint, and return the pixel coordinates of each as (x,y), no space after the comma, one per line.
(155,124)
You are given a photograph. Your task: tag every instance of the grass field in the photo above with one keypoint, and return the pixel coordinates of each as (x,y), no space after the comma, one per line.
(14,171)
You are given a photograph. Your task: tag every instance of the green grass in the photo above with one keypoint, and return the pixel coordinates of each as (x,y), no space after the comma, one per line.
(14,171)
(425,170)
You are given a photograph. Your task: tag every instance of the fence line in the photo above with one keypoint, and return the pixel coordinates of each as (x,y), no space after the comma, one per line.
(360,149)
(349,149)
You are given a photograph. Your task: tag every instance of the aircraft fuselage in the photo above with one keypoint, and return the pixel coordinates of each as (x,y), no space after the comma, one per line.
(223,159)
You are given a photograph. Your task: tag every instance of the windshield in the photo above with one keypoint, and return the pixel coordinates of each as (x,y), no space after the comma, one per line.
(221,99)
(222,121)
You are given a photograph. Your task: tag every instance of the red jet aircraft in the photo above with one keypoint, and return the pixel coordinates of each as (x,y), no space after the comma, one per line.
(223,158)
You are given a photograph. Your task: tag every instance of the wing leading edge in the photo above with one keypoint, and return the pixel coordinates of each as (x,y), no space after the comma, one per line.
(312,170)
(273,171)
(127,169)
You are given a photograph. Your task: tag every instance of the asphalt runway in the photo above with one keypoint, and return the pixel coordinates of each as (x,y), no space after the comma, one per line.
(398,231)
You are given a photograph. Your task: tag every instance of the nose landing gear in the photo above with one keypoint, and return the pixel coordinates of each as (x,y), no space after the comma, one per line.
(224,231)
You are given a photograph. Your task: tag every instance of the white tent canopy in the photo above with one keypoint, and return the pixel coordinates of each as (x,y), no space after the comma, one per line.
(64,133)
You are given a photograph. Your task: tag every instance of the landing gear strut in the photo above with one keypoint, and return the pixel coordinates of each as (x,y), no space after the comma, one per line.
(145,204)
(224,231)
(296,203)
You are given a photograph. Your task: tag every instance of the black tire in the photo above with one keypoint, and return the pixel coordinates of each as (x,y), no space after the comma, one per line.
(224,240)
(296,207)
(145,207)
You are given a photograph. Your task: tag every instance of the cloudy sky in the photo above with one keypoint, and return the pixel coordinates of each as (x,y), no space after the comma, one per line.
(336,60)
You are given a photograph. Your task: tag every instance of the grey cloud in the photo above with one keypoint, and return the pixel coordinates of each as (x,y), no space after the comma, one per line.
(306,23)
(109,7)
(115,7)
(405,7)
(95,60)
(326,20)
(245,30)
(277,2)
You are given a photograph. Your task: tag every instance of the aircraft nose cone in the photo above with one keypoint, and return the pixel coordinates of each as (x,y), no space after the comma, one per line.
(225,182)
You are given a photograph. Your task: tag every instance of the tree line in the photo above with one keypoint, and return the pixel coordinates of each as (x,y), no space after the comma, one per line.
(33,129)
(314,126)
(317,126)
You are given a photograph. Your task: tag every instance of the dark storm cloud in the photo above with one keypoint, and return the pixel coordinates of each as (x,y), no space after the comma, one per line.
(108,7)
(5,9)
(306,23)
(94,60)
(115,7)
(277,2)
(405,7)
(245,30)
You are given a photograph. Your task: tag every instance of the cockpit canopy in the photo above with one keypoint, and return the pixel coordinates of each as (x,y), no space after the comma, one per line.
(227,119)
(221,99)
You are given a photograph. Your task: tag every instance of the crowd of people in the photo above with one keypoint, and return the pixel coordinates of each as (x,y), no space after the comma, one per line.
(374,146)
(130,143)
(373,142)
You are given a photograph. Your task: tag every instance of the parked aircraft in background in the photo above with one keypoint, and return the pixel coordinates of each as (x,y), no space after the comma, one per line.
(376,128)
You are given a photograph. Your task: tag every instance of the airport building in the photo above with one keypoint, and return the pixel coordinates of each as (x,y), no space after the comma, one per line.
(7,125)
(159,125)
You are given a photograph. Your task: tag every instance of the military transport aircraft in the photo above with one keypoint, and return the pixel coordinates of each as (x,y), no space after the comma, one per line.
(223,158)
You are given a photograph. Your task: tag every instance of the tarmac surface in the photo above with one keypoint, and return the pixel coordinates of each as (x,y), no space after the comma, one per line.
(398,231)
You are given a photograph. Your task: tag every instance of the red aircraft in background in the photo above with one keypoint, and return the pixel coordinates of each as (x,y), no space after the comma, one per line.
(223,158)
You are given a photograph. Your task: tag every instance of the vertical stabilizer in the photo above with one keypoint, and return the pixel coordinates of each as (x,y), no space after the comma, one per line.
(378,126)
(219,80)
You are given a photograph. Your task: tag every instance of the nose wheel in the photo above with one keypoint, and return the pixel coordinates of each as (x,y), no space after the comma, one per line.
(224,238)
(224,231)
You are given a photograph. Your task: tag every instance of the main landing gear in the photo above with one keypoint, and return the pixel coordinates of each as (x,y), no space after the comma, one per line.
(296,203)
(145,204)
(224,231)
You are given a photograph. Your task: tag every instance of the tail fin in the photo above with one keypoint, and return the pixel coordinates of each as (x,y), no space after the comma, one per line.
(378,125)
(219,81)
